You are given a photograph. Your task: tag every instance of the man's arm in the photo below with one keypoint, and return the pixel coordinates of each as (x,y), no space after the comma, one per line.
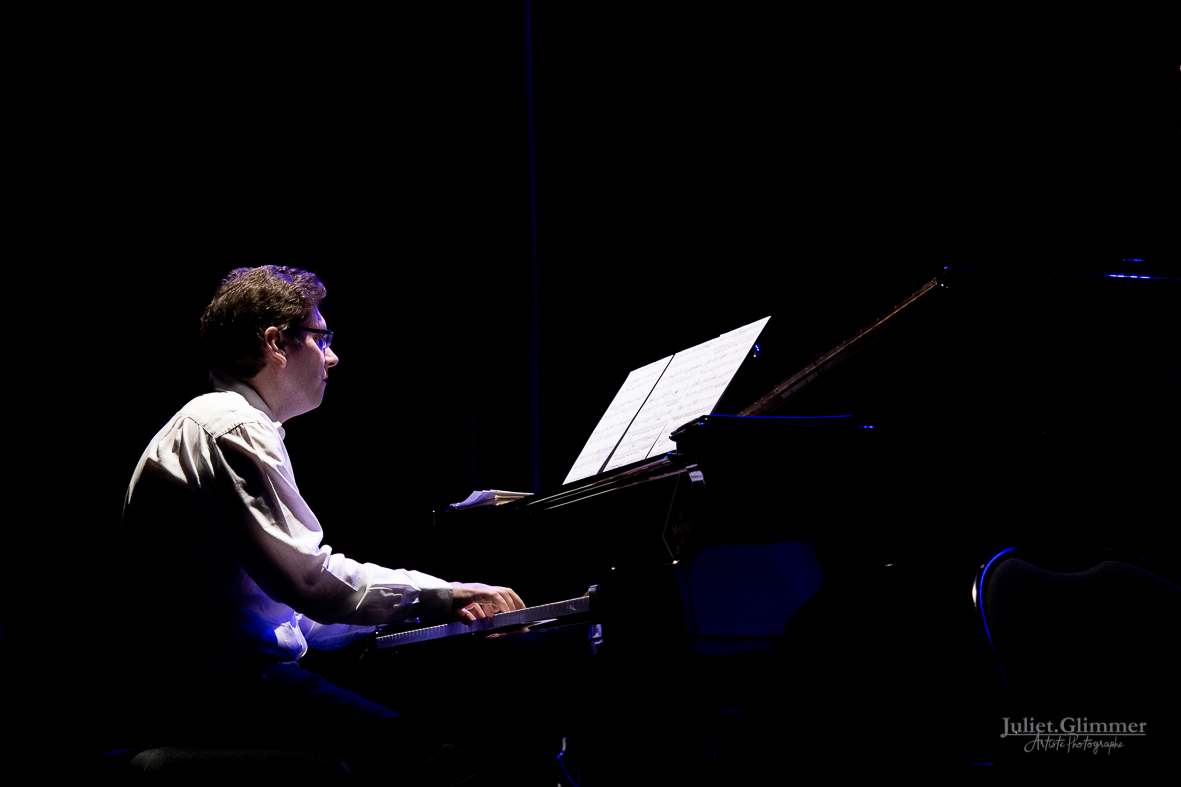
(278,539)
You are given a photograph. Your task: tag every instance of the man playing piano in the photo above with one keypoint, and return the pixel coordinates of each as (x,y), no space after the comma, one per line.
(231,571)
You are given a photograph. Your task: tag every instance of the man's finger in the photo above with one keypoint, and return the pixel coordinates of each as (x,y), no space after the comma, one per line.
(512,600)
(495,599)
(517,603)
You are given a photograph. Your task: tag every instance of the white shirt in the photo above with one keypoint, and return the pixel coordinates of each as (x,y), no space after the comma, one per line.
(229,556)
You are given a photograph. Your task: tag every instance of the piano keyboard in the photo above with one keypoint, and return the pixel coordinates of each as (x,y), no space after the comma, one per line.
(544,612)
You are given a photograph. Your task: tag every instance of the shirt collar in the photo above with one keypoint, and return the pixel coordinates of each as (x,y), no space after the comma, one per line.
(220,381)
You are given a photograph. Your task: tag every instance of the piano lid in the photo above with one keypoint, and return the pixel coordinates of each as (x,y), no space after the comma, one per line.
(970,347)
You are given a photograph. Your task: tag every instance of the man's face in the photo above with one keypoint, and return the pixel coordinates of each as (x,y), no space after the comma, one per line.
(308,365)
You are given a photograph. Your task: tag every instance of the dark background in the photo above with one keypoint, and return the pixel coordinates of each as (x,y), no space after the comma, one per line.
(489,208)
(691,173)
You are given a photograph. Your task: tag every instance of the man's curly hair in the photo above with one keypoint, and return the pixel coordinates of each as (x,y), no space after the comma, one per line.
(247,302)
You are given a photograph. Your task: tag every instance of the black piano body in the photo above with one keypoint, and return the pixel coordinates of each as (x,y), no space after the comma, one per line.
(808,558)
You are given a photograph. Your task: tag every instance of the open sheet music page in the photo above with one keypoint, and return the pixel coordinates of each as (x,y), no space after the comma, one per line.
(691,386)
(615,421)
(645,429)
(712,375)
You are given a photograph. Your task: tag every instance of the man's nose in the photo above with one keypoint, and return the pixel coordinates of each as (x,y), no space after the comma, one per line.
(330,358)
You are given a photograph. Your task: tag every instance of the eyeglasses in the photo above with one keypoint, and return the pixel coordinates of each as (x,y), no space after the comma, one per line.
(323,336)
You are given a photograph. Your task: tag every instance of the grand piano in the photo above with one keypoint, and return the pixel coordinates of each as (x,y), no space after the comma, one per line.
(803,559)
(983,408)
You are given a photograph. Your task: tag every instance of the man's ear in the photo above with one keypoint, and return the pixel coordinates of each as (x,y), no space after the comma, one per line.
(274,347)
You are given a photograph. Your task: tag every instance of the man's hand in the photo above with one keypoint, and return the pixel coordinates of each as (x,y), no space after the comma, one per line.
(475,600)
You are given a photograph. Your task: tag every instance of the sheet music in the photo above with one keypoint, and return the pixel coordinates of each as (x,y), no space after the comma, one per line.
(645,429)
(691,386)
(615,421)
(711,376)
